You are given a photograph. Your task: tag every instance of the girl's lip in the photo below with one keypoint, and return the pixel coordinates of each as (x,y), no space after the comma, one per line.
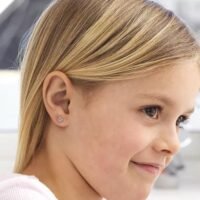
(152,168)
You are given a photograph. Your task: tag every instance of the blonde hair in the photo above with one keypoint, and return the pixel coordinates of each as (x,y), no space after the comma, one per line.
(93,42)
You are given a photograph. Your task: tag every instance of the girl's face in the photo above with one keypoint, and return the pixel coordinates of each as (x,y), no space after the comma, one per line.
(128,131)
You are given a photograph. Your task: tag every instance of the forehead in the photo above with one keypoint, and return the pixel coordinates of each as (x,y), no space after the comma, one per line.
(177,83)
(181,75)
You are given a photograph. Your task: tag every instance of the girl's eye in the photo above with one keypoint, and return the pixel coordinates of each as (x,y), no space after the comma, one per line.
(152,111)
(182,120)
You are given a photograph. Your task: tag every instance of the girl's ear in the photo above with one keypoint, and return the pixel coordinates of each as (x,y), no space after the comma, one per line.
(57,94)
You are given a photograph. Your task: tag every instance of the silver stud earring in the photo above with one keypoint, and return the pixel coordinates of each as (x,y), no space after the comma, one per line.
(60,119)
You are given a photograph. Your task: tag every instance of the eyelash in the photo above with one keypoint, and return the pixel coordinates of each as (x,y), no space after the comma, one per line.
(183,119)
(182,122)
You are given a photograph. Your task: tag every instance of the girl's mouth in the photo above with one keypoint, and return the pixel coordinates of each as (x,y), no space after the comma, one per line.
(151,168)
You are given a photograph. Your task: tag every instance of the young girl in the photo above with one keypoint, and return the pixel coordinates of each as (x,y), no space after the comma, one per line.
(106,87)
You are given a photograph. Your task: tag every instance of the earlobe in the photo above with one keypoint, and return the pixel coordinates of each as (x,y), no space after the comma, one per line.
(56,93)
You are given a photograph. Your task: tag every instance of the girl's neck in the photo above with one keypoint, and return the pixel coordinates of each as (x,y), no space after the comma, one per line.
(57,172)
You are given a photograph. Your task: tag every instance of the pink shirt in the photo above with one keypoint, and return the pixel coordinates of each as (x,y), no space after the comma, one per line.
(22,187)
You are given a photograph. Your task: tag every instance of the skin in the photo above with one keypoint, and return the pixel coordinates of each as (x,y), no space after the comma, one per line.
(115,142)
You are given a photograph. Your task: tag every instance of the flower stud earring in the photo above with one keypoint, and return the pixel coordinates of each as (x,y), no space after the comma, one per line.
(60,119)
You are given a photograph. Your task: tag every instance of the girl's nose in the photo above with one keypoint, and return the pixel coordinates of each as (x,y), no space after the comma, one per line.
(167,141)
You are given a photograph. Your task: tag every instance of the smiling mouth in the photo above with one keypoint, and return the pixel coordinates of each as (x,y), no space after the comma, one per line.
(150,168)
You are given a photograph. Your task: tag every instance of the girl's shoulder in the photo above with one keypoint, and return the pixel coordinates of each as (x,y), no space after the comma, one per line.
(23,187)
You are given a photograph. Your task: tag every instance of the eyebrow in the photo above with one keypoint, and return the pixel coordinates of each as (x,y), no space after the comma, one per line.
(163,99)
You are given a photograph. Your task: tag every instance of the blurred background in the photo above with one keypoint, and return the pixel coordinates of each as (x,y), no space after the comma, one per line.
(180,181)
